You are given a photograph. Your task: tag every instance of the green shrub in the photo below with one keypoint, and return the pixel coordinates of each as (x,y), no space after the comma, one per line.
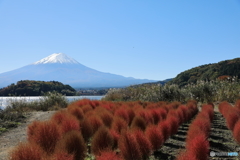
(50,101)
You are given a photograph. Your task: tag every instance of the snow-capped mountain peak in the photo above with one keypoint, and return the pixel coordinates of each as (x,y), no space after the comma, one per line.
(57,58)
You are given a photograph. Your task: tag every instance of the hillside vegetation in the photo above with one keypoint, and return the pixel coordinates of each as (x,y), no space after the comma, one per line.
(36,88)
(105,130)
(223,69)
(201,91)
(206,83)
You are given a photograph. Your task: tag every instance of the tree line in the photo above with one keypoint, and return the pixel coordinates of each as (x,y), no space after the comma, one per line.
(36,88)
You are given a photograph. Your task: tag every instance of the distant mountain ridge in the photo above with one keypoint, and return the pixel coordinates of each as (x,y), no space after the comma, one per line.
(226,68)
(60,67)
(159,82)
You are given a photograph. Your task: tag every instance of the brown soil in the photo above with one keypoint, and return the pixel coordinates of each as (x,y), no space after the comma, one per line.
(9,139)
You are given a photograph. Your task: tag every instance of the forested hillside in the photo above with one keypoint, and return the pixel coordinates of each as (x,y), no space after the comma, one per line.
(36,88)
(223,69)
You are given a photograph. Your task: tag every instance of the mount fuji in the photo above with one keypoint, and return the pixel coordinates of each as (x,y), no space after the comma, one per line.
(60,67)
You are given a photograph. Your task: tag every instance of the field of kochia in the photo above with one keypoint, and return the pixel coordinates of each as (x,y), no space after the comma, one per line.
(105,130)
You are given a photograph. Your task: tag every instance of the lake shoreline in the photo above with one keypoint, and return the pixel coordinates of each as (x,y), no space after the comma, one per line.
(5,100)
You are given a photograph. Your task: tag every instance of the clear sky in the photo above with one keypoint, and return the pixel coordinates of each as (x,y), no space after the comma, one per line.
(152,39)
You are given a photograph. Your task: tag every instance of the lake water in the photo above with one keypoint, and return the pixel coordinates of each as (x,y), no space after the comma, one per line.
(5,100)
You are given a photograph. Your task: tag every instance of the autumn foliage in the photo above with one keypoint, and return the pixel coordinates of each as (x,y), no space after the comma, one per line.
(232,116)
(155,136)
(197,144)
(107,130)
(236,132)
(45,134)
(26,151)
(102,141)
(73,143)
(139,122)
(108,155)
(129,147)
(144,144)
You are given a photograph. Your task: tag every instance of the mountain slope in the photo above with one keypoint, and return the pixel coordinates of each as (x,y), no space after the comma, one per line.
(59,67)
(209,72)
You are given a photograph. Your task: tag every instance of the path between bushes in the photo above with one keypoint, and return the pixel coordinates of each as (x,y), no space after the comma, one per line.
(220,139)
(11,138)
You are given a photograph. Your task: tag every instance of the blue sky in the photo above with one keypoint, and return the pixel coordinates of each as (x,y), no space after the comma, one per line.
(152,39)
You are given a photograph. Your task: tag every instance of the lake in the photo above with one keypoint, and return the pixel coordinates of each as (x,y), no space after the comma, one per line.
(5,100)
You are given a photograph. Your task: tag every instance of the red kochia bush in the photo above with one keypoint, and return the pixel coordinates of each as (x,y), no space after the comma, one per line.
(237,104)
(185,155)
(198,146)
(144,144)
(131,115)
(180,115)
(173,105)
(94,103)
(86,129)
(115,136)
(122,113)
(70,123)
(208,108)
(151,105)
(146,115)
(129,147)
(203,115)
(102,141)
(203,124)
(62,156)
(76,111)
(164,129)
(236,132)
(155,136)
(192,108)
(232,117)
(96,122)
(224,108)
(32,129)
(108,155)
(163,113)
(137,107)
(192,102)
(108,106)
(139,122)
(183,108)
(90,113)
(82,102)
(106,117)
(72,143)
(86,108)
(172,112)
(26,151)
(46,135)
(193,132)
(59,116)
(174,123)
(156,115)
(119,125)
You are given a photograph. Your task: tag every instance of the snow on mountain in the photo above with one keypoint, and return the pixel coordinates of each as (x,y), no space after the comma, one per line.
(57,58)
(60,67)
